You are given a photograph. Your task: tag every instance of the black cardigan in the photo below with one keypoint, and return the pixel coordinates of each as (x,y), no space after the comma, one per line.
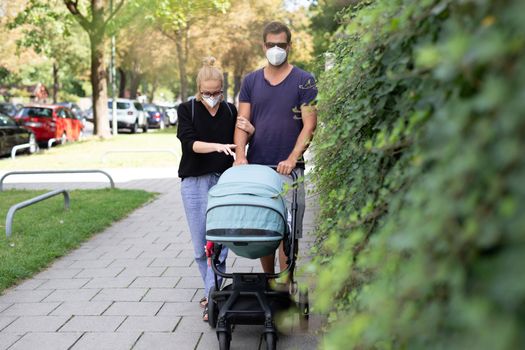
(207,128)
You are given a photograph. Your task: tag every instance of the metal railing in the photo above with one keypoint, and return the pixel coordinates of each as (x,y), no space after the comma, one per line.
(11,212)
(55,172)
(19,147)
(104,156)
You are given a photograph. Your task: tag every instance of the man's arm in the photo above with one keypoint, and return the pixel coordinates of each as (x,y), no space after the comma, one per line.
(240,137)
(309,115)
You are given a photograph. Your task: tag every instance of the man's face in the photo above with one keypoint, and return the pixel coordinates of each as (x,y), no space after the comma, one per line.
(279,40)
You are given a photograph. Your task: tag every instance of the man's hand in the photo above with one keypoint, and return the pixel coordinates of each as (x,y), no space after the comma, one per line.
(240,161)
(285,167)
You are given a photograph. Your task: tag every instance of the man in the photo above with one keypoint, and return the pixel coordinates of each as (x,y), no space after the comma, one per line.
(279,101)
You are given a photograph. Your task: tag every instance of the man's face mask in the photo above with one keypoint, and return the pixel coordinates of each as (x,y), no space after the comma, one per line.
(276,55)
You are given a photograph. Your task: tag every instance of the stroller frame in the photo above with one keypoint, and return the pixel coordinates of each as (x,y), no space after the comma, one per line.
(255,286)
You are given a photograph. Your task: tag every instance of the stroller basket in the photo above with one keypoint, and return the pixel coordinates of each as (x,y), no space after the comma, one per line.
(246,211)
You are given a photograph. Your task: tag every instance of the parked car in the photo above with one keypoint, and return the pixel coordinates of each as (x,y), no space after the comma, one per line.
(8,109)
(77,111)
(51,122)
(157,117)
(12,134)
(130,115)
(171,112)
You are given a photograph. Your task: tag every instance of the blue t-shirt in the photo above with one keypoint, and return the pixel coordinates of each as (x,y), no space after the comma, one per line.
(276,113)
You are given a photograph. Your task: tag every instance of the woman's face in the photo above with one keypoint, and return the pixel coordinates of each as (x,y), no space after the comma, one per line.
(211,88)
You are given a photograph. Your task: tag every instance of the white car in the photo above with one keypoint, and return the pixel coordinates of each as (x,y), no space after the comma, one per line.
(130,115)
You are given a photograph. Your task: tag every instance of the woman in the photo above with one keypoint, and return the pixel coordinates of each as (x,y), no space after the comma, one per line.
(206,127)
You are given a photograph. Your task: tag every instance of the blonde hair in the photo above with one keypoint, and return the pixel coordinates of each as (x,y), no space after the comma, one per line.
(208,72)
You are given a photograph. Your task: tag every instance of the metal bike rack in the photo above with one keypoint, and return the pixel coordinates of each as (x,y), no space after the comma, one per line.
(19,147)
(140,151)
(11,212)
(56,172)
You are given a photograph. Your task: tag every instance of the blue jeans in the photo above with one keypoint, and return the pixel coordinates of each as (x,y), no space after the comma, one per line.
(194,191)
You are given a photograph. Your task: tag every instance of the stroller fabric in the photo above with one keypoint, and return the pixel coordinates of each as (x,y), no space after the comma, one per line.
(246,211)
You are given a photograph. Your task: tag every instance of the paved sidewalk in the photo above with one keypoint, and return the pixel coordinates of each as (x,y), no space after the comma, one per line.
(133,286)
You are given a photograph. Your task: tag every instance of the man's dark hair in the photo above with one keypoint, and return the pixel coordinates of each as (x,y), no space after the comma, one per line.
(277,28)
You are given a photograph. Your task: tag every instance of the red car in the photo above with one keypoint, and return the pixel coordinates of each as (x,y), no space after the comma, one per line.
(51,122)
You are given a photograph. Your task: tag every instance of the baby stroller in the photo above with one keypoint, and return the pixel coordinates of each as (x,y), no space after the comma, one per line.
(247,213)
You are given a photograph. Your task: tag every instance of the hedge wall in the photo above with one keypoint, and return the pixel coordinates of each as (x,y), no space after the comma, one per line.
(420,162)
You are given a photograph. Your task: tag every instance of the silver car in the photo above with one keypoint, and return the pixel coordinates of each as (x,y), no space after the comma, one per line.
(130,115)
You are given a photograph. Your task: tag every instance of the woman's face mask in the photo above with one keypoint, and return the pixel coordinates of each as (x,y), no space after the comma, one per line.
(276,56)
(211,100)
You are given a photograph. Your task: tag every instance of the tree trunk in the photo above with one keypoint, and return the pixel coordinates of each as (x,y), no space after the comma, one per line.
(99,85)
(122,83)
(154,86)
(55,82)
(134,84)
(181,60)
(237,80)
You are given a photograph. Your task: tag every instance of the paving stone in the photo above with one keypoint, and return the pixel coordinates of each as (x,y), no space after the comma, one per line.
(155,282)
(169,295)
(4,306)
(92,324)
(6,321)
(139,262)
(30,309)
(130,308)
(24,296)
(46,341)
(190,282)
(120,294)
(107,341)
(149,324)
(91,264)
(109,282)
(100,272)
(180,309)
(152,254)
(72,295)
(36,324)
(81,308)
(29,284)
(7,339)
(133,253)
(181,271)
(57,273)
(168,341)
(64,283)
(142,272)
(165,262)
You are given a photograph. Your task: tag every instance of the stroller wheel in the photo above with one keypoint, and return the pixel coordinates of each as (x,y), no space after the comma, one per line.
(304,309)
(213,309)
(224,340)
(271,341)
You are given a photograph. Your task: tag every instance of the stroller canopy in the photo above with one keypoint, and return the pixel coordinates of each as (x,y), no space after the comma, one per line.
(246,211)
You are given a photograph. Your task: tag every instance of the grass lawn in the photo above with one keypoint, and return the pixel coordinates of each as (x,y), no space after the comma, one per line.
(88,154)
(45,231)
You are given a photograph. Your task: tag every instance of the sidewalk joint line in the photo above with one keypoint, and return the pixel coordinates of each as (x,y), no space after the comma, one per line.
(76,341)
(10,323)
(124,320)
(137,340)
(63,324)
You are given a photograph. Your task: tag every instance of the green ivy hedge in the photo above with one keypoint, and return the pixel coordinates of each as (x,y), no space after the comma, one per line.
(420,163)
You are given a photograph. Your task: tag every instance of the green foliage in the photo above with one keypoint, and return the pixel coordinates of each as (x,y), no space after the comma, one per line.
(420,168)
(45,231)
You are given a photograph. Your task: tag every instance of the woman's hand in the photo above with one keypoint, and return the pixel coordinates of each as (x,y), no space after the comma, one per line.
(226,149)
(245,125)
